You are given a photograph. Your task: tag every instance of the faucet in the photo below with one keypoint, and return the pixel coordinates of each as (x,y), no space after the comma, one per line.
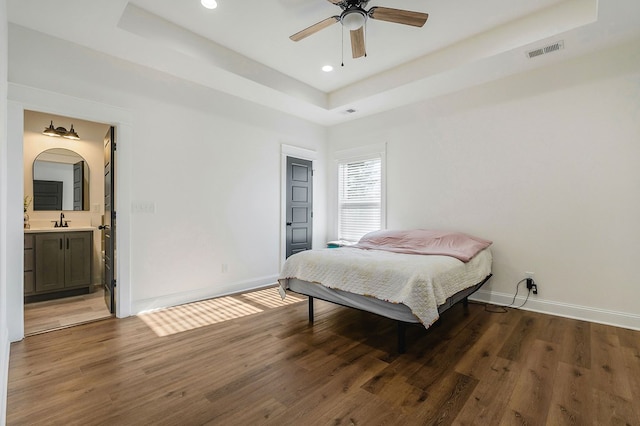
(61,224)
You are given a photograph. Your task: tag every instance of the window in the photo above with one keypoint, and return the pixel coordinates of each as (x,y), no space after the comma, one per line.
(360,197)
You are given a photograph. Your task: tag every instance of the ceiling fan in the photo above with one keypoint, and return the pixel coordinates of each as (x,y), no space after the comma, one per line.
(354,16)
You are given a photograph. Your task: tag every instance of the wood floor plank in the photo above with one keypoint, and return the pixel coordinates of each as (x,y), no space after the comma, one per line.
(399,394)
(477,360)
(446,399)
(364,409)
(631,358)
(612,409)
(628,338)
(531,397)
(488,402)
(552,330)
(571,402)
(274,368)
(576,344)
(607,362)
(521,337)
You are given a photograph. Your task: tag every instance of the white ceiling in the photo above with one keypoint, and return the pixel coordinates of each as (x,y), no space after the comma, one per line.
(243,46)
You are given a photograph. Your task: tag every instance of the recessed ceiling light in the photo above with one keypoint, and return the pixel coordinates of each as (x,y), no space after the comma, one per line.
(209,4)
(327,68)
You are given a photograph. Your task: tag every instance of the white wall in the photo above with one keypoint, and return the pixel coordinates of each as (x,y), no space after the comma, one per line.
(4,330)
(204,173)
(545,164)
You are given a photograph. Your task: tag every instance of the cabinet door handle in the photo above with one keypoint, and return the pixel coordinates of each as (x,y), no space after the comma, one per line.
(67,243)
(60,243)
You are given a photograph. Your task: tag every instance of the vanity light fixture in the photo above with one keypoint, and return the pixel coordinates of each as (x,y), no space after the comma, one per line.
(61,131)
(51,131)
(209,4)
(71,134)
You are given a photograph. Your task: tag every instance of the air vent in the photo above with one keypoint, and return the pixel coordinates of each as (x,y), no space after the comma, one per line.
(546,49)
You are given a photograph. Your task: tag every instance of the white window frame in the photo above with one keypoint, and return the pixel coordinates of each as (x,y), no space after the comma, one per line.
(355,155)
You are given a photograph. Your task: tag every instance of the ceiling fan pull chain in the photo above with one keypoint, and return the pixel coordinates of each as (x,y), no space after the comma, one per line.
(342,45)
(365,38)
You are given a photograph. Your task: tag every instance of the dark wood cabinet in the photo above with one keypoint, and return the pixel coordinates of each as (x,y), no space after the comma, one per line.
(29,262)
(49,262)
(62,261)
(77,261)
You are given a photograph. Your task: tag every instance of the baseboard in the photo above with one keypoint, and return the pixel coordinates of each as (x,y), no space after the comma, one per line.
(4,373)
(218,290)
(585,313)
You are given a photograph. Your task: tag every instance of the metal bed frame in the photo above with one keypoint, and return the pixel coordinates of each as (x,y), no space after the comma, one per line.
(461,296)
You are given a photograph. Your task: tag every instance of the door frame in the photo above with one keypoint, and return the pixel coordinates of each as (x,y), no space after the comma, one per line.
(21,98)
(303,154)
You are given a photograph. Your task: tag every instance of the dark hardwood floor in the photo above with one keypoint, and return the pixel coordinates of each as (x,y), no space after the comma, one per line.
(273,368)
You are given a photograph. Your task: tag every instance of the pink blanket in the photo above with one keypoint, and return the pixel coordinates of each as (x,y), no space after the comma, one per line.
(422,241)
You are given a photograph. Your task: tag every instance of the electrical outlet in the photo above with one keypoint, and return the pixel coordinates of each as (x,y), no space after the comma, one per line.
(530,283)
(225,268)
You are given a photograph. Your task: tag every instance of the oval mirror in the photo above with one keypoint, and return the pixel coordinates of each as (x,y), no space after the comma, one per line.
(60,181)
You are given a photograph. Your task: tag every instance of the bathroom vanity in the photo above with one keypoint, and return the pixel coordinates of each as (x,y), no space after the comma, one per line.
(57,262)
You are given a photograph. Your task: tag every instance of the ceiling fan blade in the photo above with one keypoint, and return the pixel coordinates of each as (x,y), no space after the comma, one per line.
(406,17)
(357,43)
(314,28)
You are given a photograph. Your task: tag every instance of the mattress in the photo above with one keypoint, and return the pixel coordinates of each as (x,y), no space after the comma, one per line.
(373,280)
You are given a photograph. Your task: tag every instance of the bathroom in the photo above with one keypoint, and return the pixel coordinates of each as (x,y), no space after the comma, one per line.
(52,220)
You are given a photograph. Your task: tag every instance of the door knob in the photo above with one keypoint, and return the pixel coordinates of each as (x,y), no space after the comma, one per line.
(289,223)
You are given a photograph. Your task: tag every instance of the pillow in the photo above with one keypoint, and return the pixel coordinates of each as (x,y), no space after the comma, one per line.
(427,242)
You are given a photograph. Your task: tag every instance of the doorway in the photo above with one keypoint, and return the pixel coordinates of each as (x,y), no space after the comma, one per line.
(299,205)
(46,309)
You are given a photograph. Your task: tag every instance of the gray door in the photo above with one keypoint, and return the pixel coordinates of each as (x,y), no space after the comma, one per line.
(109,226)
(299,205)
(78,181)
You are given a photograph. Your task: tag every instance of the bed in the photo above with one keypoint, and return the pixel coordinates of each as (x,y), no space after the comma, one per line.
(411,276)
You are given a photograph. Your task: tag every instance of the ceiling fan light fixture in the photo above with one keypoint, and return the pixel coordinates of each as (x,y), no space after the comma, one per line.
(353,19)
(209,4)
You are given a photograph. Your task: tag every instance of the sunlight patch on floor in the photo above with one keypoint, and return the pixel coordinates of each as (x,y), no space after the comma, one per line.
(271,298)
(176,319)
(197,314)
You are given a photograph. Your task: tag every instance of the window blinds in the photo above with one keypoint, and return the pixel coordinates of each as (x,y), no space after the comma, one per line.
(359,198)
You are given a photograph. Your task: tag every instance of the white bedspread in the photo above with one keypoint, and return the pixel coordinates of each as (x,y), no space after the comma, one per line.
(421,282)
